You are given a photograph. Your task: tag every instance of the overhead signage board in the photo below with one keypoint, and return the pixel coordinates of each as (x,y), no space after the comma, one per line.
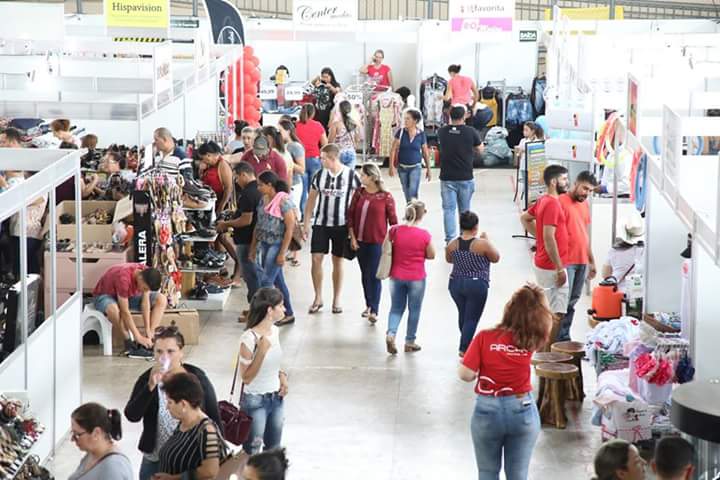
(484,17)
(184,22)
(528,35)
(588,13)
(137,17)
(325,14)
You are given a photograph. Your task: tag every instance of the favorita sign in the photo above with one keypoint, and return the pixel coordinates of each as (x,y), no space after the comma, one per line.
(481,16)
(330,14)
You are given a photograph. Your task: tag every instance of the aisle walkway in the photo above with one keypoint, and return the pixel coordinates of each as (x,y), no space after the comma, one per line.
(353,412)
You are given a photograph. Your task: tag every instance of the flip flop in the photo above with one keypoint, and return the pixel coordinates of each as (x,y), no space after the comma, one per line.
(337,310)
(315,308)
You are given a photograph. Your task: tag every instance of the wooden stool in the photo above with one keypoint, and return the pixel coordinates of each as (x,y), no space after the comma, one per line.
(547,357)
(577,350)
(552,406)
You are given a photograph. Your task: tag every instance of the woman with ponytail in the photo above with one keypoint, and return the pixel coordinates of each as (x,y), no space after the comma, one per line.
(506,420)
(412,245)
(342,133)
(276,217)
(94,429)
(312,136)
(261,358)
(269,465)
(371,210)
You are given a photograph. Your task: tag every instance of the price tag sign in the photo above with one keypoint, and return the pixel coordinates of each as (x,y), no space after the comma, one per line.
(293,93)
(356,98)
(268,91)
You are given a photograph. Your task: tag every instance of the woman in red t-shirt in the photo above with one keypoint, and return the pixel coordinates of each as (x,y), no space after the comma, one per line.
(312,136)
(506,421)
(378,72)
(412,245)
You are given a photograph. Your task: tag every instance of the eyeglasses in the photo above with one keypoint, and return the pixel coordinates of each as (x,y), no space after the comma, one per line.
(75,435)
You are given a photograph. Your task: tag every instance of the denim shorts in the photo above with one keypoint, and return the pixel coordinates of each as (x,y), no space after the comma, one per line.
(102,302)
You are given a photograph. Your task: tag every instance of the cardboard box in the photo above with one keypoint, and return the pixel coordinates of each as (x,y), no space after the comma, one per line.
(187,321)
(92,233)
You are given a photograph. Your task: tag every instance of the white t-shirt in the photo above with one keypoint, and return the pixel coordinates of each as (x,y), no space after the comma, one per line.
(268,378)
(621,260)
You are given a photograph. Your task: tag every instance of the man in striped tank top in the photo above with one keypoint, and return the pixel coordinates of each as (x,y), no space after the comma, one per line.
(331,190)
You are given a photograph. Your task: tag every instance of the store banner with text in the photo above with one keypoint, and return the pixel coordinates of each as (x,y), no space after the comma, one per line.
(481,16)
(587,13)
(325,14)
(227,24)
(141,17)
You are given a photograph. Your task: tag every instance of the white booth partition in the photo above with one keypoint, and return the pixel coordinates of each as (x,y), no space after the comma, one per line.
(43,364)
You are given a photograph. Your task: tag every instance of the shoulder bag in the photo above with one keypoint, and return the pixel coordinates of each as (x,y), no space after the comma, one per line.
(235,423)
(383,271)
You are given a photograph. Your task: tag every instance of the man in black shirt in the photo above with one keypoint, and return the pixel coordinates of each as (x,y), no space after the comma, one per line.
(243,224)
(458,144)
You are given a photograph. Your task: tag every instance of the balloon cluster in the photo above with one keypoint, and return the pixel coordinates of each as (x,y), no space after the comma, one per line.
(246,88)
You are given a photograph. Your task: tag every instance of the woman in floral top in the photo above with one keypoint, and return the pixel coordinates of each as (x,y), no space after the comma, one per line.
(276,219)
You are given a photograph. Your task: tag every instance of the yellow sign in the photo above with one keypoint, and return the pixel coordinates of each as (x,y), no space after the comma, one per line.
(137,14)
(590,13)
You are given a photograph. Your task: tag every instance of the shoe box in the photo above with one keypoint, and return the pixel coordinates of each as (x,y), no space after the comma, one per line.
(187,321)
(92,233)
(94,265)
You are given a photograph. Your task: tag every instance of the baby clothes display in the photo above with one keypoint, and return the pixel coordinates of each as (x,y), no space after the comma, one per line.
(389,106)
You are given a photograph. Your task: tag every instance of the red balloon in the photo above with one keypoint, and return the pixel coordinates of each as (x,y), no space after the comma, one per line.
(252,115)
(254,60)
(257,102)
(252,89)
(255,75)
(248,79)
(249,99)
(248,50)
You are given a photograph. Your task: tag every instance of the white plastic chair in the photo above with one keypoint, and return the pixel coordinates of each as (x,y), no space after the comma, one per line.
(95,321)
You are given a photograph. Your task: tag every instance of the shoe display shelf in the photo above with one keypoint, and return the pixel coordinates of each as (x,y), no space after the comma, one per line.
(19,435)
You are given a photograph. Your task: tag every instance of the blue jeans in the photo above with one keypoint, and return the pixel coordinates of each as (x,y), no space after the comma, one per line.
(368,256)
(504,431)
(456,196)
(270,273)
(266,411)
(576,281)
(410,181)
(347,158)
(312,165)
(402,293)
(470,295)
(249,270)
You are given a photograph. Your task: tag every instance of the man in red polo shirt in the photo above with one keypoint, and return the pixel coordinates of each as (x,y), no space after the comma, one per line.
(546,220)
(580,261)
(262,159)
(130,287)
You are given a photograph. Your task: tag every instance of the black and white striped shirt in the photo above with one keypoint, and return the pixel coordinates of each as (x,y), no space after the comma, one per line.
(334,194)
(185,451)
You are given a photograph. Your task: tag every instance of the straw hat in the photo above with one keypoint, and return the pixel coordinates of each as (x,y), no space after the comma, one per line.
(631,230)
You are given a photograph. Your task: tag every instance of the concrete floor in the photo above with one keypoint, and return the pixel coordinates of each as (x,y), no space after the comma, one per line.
(353,412)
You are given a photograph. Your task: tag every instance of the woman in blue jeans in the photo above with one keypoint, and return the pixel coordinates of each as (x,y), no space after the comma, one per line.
(411,247)
(371,210)
(260,363)
(276,219)
(506,423)
(470,256)
(408,151)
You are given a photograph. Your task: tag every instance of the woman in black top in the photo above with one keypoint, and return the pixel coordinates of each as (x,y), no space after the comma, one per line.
(326,87)
(148,405)
(196,449)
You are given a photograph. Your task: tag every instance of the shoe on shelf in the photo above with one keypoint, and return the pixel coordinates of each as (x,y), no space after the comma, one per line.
(285,321)
(141,353)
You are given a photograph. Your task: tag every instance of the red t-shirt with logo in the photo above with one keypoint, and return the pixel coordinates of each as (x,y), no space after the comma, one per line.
(380,74)
(502,367)
(548,211)
(119,281)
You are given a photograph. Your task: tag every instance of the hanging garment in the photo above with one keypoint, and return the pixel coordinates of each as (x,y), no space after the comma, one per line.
(537,95)
(518,110)
(432,91)
(389,106)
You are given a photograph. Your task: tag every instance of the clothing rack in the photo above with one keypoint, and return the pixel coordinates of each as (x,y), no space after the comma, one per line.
(367,88)
(505,91)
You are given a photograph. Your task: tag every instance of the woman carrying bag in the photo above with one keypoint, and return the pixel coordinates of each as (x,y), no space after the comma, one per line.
(265,381)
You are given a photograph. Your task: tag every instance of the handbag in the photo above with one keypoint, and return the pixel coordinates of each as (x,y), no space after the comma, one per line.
(232,466)
(385,264)
(236,423)
(298,237)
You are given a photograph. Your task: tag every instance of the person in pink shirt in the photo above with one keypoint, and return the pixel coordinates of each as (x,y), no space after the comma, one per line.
(461,90)
(379,72)
(412,245)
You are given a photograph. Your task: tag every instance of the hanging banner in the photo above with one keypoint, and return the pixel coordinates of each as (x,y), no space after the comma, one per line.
(201,44)
(325,14)
(536,162)
(162,71)
(589,13)
(143,224)
(481,16)
(227,25)
(137,17)
(632,106)
(672,146)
